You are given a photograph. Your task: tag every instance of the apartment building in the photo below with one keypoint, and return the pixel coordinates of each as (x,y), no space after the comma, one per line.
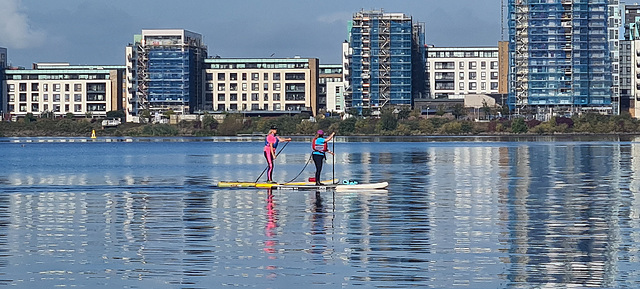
(255,84)
(455,71)
(331,88)
(60,88)
(563,55)
(386,52)
(164,71)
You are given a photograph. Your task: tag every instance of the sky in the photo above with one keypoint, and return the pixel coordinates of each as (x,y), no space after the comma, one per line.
(93,32)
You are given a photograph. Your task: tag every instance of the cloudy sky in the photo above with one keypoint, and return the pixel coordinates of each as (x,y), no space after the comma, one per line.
(96,32)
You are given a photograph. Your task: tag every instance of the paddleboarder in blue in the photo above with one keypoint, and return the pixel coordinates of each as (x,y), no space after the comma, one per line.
(319,145)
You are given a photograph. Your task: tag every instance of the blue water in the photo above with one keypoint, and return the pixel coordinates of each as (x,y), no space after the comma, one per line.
(481,212)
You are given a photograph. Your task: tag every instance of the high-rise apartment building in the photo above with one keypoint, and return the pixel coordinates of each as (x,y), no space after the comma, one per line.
(164,71)
(386,60)
(561,55)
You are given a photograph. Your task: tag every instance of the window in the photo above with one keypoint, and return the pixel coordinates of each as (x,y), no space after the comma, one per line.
(234,97)
(22,87)
(494,86)
(56,97)
(66,87)
(461,85)
(483,86)
(473,86)
(276,86)
(77,87)
(35,107)
(461,65)
(12,97)
(254,97)
(244,97)
(244,87)
(208,97)
(77,108)
(11,87)
(221,87)
(220,76)
(23,107)
(244,76)
(45,97)
(34,97)
(209,76)
(233,76)
(46,107)
(255,76)
(472,65)
(34,86)
(266,97)
(254,86)
(56,87)
(494,65)
(45,87)
(23,97)
(265,76)
(67,97)
(255,106)
(276,76)
(461,75)
(220,96)
(276,97)
(483,75)
(233,87)
(483,64)
(265,87)
(56,108)
(472,75)
(494,75)
(209,86)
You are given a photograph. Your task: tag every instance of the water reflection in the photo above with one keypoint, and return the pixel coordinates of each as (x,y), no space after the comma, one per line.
(497,214)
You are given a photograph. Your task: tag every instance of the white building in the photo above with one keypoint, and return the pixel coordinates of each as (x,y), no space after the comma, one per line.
(331,89)
(60,88)
(271,84)
(462,70)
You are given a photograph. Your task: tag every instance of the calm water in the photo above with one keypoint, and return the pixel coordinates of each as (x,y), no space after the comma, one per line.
(459,213)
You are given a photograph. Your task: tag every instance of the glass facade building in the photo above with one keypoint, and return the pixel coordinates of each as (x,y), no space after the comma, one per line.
(165,71)
(387,60)
(560,55)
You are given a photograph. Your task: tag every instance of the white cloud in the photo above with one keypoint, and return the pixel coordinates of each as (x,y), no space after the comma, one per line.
(15,31)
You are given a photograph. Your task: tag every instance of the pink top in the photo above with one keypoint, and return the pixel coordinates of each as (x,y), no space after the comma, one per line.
(271,139)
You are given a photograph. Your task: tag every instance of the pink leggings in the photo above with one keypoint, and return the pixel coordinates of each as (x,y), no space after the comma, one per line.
(269,157)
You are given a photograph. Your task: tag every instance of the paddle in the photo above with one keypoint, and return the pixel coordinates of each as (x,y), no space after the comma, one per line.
(265,169)
(333,159)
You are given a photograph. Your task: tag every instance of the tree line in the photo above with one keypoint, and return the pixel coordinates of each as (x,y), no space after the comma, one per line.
(388,123)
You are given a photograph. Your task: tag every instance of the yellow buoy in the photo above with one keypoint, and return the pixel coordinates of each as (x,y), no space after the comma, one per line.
(93,133)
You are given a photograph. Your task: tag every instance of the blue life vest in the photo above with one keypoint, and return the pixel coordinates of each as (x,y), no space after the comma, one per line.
(319,146)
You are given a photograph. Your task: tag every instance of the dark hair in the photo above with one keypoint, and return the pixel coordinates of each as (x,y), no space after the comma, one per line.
(274,127)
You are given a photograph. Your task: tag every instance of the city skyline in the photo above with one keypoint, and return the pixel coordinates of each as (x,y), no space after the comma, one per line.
(86,32)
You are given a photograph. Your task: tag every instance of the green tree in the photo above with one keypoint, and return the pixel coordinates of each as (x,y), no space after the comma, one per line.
(69,115)
(209,122)
(486,109)
(388,121)
(458,110)
(347,126)
(518,126)
(116,114)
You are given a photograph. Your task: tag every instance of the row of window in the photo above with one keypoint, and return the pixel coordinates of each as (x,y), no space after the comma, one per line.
(255,106)
(461,65)
(56,97)
(222,97)
(472,75)
(461,86)
(35,107)
(56,87)
(244,86)
(255,76)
